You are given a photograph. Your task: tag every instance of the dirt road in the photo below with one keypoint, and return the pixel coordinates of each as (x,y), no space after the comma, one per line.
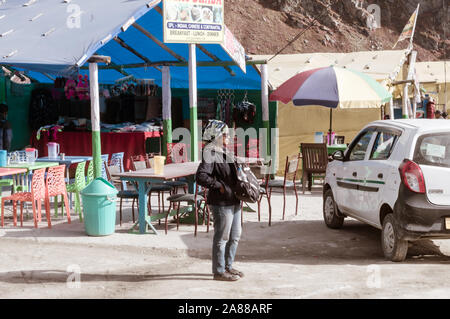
(295,258)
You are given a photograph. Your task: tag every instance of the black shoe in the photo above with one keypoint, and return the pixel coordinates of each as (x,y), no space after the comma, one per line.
(226,276)
(236,272)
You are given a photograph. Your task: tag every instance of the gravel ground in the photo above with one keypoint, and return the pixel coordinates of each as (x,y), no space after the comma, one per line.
(294,258)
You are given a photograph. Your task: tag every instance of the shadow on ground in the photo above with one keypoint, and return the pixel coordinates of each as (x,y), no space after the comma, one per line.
(292,241)
(58,276)
(311,242)
(62,229)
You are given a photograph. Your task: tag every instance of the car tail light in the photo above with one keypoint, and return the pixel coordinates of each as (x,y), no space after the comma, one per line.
(412,176)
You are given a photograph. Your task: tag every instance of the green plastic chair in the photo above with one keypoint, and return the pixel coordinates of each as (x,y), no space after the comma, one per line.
(90,173)
(78,186)
(9,182)
(5,183)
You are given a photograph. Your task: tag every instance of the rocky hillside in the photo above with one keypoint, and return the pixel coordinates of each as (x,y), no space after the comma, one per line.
(266,26)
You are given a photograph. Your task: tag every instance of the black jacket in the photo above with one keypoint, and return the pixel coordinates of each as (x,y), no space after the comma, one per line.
(215,171)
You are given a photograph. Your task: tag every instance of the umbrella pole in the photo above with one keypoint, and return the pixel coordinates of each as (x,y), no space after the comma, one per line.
(266,147)
(331,125)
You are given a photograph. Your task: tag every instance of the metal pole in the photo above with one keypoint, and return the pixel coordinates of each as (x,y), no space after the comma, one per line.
(265,108)
(445,55)
(331,121)
(391,109)
(95,118)
(193,101)
(405,102)
(414,27)
(445,86)
(167,108)
(416,96)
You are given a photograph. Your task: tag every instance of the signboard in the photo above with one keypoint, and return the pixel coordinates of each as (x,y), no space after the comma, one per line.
(234,49)
(194,21)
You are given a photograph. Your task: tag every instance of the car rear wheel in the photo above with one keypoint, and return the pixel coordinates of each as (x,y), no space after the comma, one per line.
(333,219)
(394,248)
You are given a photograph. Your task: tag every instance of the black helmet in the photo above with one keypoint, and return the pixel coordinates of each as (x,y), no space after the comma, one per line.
(244,111)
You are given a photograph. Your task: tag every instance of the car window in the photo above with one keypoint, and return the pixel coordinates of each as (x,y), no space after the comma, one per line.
(383,146)
(359,148)
(433,149)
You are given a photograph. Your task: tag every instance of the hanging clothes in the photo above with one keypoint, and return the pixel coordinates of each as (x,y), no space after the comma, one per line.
(43,109)
(225,106)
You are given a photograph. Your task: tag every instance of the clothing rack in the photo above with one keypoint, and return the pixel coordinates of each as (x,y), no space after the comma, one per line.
(225,105)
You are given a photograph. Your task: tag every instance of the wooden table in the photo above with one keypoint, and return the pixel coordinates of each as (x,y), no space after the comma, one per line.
(146,177)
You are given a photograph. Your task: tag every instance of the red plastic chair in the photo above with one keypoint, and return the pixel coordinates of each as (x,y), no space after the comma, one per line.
(37,194)
(55,186)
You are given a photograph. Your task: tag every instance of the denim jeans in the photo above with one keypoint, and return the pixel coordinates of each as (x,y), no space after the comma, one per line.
(227,232)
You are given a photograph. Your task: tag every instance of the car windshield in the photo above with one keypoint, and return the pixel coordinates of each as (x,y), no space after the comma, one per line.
(433,150)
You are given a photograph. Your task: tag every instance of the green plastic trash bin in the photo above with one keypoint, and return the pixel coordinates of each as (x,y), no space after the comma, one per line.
(99,206)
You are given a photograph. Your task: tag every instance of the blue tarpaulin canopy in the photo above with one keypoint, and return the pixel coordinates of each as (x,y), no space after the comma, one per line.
(57,37)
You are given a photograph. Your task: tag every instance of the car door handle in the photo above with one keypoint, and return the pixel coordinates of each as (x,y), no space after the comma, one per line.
(380,176)
(355,174)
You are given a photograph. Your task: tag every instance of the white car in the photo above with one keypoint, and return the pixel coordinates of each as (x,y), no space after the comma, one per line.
(395,176)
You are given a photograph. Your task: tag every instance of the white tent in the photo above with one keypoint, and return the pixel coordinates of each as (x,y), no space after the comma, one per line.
(380,65)
(435,78)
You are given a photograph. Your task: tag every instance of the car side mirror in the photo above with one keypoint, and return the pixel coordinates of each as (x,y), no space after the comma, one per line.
(338,156)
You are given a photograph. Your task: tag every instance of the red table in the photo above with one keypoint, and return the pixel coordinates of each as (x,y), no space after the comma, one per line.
(5,171)
(80,144)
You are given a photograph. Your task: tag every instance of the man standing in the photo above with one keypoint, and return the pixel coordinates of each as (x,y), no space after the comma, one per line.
(217,173)
(5,129)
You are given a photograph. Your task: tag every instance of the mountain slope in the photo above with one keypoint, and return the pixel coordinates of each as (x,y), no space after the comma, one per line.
(266,26)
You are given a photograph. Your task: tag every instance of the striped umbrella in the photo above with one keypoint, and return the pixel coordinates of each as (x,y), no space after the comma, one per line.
(332,87)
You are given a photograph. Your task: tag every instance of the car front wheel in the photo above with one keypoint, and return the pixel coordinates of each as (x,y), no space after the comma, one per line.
(333,219)
(394,248)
